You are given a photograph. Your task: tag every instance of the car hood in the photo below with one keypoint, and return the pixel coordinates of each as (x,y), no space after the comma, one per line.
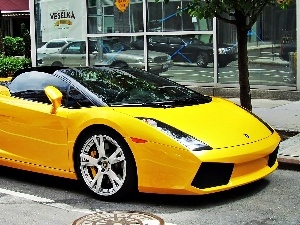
(219,123)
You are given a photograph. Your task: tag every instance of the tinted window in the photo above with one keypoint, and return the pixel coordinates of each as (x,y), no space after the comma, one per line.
(175,40)
(77,99)
(75,48)
(159,39)
(55,44)
(30,86)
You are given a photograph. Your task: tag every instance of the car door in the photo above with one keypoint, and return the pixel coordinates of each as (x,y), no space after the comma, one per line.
(180,49)
(29,133)
(74,54)
(160,44)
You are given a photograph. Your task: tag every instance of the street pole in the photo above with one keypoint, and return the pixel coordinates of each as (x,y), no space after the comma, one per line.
(1,39)
(99,30)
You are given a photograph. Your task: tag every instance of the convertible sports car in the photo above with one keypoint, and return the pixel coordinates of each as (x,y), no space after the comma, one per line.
(125,130)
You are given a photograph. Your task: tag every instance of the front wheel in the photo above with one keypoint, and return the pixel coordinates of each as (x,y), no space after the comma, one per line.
(105,165)
(202,59)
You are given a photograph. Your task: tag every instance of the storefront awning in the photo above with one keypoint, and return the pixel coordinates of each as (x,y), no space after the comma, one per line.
(8,6)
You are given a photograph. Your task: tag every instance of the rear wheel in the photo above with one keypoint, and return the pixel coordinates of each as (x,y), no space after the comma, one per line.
(105,165)
(57,64)
(202,59)
(222,63)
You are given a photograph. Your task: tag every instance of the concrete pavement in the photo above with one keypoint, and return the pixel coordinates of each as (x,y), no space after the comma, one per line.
(281,115)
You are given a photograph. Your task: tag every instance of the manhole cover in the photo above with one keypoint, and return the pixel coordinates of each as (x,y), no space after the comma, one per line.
(119,218)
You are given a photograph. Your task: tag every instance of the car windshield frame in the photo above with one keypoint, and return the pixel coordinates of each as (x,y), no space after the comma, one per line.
(133,87)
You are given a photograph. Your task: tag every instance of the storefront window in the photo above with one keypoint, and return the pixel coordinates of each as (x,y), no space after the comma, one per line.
(192,57)
(175,44)
(271,49)
(116,51)
(174,17)
(115,17)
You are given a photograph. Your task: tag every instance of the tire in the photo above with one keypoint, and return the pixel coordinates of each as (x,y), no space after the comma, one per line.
(222,64)
(202,59)
(57,64)
(106,168)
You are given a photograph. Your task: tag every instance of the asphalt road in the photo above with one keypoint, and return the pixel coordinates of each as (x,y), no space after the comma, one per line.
(28,198)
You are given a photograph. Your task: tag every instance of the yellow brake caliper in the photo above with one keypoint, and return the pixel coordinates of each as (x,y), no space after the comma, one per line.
(93,169)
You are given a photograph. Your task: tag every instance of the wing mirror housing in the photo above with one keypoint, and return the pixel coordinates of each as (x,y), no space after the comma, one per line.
(4,91)
(55,96)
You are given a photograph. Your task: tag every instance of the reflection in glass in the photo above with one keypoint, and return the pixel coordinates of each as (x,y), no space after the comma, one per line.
(107,17)
(271,49)
(192,56)
(126,52)
(174,17)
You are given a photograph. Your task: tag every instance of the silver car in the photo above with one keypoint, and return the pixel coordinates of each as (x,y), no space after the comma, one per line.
(74,54)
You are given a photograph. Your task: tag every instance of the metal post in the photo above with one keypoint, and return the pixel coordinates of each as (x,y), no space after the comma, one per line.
(1,40)
(100,26)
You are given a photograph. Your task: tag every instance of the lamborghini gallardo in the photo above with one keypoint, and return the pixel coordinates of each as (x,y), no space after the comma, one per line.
(122,130)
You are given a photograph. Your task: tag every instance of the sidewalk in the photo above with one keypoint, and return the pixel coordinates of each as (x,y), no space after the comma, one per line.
(281,115)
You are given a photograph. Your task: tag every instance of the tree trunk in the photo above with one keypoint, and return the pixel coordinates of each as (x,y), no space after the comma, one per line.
(245,93)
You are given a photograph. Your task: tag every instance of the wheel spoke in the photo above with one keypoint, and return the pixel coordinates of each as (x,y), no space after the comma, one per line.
(97,179)
(99,145)
(114,179)
(91,161)
(114,157)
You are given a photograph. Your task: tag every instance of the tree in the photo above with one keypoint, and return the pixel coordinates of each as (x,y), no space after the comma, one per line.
(243,14)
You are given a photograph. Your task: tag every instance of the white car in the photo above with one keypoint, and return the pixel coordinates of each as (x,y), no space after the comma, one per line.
(54,45)
(74,54)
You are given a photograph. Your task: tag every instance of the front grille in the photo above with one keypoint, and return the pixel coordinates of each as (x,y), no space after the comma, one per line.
(212,174)
(273,157)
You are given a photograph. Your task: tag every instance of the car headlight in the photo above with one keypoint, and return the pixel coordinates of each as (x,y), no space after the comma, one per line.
(185,139)
(150,60)
(139,60)
(223,50)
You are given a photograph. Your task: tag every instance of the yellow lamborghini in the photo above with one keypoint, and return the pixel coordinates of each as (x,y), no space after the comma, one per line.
(125,130)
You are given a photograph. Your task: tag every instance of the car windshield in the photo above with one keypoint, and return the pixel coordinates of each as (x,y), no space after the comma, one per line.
(134,87)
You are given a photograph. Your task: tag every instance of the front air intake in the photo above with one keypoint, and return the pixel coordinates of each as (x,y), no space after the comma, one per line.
(273,157)
(212,174)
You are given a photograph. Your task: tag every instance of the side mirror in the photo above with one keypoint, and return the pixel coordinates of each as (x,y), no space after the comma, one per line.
(4,90)
(55,96)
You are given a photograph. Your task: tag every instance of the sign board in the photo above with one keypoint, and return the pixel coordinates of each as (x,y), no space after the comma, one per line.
(122,4)
(63,19)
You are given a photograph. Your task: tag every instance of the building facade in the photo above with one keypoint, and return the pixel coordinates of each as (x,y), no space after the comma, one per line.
(12,14)
(200,52)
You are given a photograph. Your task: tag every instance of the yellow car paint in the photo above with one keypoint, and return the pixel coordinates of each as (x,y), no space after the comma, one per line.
(42,140)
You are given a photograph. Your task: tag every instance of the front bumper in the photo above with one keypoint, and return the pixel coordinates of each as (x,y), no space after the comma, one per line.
(167,170)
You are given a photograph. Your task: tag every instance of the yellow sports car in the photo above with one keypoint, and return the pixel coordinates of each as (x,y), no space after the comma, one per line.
(125,130)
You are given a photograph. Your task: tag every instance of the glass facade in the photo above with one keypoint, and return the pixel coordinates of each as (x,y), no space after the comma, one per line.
(175,44)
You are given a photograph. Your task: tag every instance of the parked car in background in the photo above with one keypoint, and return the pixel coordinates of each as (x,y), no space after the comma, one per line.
(191,50)
(114,53)
(54,45)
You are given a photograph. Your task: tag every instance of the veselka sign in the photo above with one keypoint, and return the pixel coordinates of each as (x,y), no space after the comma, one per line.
(63,19)
(122,5)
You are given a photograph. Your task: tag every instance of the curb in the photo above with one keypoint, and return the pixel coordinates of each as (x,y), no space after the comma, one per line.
(288,164)
(268,62)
